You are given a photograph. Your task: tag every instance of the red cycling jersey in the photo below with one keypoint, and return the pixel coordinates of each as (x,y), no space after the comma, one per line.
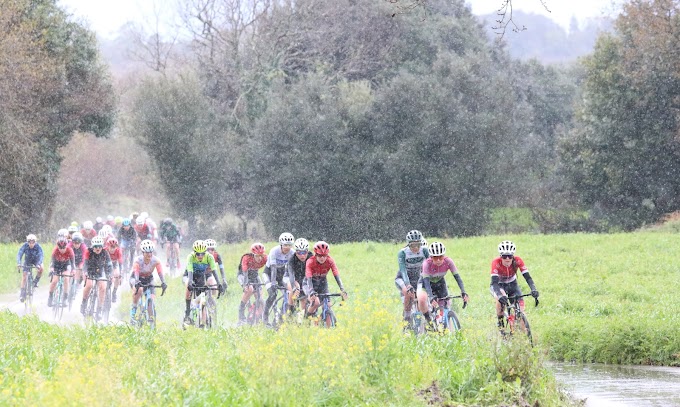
(315,269)
(88,233)
(248,262)
(62,260)
(116,255)
(507,274)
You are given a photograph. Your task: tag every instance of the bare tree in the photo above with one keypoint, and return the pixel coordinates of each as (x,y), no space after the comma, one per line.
(150,47)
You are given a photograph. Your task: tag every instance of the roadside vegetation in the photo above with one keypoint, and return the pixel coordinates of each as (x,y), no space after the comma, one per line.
(604,298)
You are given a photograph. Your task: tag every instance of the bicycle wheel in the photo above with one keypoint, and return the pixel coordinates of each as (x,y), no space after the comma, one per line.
(452,324)
(211,312)
(71,293)
(28,301)
(274,317)
(57,301)
(523,326)
(107,304)
(151,310)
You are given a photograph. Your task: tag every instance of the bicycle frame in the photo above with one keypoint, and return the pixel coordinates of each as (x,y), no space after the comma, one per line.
(444,316)
(255,307)
(327,315)
(93,299)
(28,300)
(203,306)
(58,294)
(513,313)
(279,308)
(143,315)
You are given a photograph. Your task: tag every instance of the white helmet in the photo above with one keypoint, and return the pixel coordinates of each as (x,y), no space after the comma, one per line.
(107,228)
(97,241)
(144,215)
(506,247)
(109,217)
(437,249)
(286,238)
(423,242)
(87,225)
(210,243)
(301,245)
(77,237)
(98,219)
(139,221)
(414,236)
(146,246)
(62,233)
(103,233)
(72,229)
(31,237)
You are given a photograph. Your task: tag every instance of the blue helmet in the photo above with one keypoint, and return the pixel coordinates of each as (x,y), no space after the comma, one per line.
(127,222)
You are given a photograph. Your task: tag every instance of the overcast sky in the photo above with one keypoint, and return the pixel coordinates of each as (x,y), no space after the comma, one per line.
(106,16)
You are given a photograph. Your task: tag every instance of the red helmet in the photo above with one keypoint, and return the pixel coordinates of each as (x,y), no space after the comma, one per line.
(321,248)
(113,242)
(62,242)
(257,248)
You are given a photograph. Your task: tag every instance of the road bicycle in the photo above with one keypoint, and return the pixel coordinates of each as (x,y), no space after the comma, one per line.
(146,307)
(91,314)
(203,308)
(278,309)
(444,318)
(327,317)
(255,306)
(28,299)
(60,301)
(514,319)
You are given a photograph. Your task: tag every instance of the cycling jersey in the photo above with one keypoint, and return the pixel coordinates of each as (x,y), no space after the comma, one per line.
(218,259)
(507,274)
(314,269)
(96,264)
(88,234)
(277,262)
(144,271)
(170,233)
(411,263)
(125,236)
(297,269)
(435,273)
(116,256)
(250,263)
(32,256)
(204,266)
(62,261)
(78,250)
(144,232)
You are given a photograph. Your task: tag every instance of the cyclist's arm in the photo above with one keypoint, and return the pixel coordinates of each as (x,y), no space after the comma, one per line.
(337,280)
(456,275)
(109,264)
(40,255)
(220,263)
(72,259)
(290,274)
(428,286)
(399,280)
(20,254)
(159,271)
(401,260)
(496,287)
(190,267)
(529,280)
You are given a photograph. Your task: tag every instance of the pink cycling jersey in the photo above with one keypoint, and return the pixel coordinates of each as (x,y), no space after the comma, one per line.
(507,274)
(434,272)
(145,270)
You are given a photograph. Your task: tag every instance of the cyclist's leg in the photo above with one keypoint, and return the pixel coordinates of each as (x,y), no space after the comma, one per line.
(116,281)
(86,293)
(53,284)
(136,294)
(497,304)
(175,247)
(39,270)
(101,285)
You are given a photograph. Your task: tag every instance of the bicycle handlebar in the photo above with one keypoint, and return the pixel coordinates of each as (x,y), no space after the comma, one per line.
(516,297)
(145,286)
(208,287)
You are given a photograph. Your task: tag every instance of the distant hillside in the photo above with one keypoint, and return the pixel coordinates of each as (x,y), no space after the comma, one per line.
(545,40)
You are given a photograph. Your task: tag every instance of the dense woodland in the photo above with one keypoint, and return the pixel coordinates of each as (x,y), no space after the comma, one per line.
(346,120)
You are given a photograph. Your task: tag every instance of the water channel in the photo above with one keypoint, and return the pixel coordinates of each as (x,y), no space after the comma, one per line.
(622,386)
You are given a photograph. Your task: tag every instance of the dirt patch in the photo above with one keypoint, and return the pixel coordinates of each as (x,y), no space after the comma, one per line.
(433,396)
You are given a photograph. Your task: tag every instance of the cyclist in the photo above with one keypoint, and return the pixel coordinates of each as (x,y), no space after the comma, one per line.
(98,223)
(62,262)
(117,224)
(128,240)
(33,256)
(316,269)
(117,261)
(98,265)
(504,278)
(170,235)
(248,273)
(212,249)
(142,229)
(274,270)
(71,230)
(200,272)
(410,260)
(76,244)
(296,274)
(88,232)
(105,234)
(432,282)
(142,270)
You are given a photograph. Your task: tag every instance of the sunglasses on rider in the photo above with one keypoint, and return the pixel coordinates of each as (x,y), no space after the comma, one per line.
(507,256)
(200,254)
(301,252)
(437,257)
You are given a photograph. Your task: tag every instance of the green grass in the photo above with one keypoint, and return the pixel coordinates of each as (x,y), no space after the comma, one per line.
(604,298)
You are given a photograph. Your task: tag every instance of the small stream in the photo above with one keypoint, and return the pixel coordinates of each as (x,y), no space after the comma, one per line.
(614,385)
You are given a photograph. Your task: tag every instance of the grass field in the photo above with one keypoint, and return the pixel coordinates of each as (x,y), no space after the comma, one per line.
(604,298)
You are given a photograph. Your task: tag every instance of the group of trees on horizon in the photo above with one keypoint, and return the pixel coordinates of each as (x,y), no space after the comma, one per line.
(347,121)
